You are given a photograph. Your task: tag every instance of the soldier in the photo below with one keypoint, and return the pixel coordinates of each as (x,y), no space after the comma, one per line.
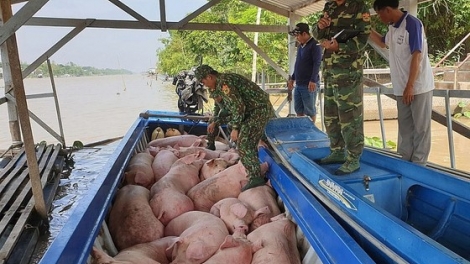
(343,32)
(250,111)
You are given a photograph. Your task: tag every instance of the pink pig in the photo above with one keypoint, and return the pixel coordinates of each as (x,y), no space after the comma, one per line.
(212,167)
(183,174)
(235,214)
(200,235)
(276,242)
(163,161)
(131,220)
(146,253)
(183,140)
(169,203)
(235,249)
(224,184)
(261,197)
(139,171)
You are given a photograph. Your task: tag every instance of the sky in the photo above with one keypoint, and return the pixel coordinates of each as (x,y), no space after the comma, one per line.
(134,50)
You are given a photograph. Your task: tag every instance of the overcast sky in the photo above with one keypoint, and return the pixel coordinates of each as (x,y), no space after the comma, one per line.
(134,50)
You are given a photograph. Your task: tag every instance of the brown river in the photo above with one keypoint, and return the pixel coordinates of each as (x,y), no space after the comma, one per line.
(103,107)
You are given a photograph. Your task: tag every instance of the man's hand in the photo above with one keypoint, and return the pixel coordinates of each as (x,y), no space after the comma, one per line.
(324,22)
(234,135)
(290,84)
(312,86)
(408,94)
(331,45)
(211,127)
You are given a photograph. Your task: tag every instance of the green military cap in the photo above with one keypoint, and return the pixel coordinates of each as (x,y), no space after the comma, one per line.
(202,71)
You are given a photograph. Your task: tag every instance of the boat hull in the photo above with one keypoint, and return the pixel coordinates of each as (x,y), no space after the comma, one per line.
(400,211)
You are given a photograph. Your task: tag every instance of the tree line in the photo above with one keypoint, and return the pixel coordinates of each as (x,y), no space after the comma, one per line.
(72,69)
(445,21)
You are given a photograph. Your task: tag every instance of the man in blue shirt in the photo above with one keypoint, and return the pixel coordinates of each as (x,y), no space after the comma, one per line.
(305,75)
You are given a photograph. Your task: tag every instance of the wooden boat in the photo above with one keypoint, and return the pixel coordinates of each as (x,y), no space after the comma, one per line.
(399,212)
(320,236)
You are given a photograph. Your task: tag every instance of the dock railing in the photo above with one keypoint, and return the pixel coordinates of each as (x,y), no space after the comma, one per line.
(373,87)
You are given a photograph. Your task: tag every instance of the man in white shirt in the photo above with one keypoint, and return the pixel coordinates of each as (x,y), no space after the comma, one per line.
(412,78)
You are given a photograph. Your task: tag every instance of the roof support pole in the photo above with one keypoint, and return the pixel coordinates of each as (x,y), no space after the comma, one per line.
(259,51)
(292,51)
(14,123)
(18,88)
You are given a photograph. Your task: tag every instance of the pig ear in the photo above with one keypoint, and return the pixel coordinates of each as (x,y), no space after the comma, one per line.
(201,154)
(239,210)
(229,242)
(196,251)
(215,209)
(173,247)
(210,162)
(261,211)
(278,217)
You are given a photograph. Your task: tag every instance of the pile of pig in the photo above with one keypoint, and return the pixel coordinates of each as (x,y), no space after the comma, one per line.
(182,203)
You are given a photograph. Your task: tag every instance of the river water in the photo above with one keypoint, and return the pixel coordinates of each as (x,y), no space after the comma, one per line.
(103,107)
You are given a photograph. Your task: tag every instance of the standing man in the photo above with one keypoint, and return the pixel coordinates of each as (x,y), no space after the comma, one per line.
(250,110)
(412,78)
(342,69)
(306,77)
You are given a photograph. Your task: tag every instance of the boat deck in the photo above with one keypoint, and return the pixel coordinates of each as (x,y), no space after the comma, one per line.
(19,224)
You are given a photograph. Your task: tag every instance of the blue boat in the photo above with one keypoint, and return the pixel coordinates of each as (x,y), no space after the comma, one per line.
(321,236)
(399,212)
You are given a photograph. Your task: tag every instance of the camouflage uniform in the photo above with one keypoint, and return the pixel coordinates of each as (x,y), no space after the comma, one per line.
(342,70)
(250,110)
(221,116)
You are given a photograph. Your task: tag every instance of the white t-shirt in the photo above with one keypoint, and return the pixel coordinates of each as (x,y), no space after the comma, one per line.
(403,38)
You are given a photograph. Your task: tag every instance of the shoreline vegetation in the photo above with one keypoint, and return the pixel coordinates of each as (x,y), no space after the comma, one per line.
(71,69)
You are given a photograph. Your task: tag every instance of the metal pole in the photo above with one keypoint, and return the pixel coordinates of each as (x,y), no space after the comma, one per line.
(56,100)
(381,118)
(450,135)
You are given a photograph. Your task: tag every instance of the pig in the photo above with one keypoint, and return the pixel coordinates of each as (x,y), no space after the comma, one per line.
(183,141)
(199,236)
(236,249)
(260,197)
(171,132)
(212,167)
(236,214)
(163,162)
(184,151)
(276,242)
(131,220)
(231,156)
(139,171)
(146,253)
(183,174)
(224,184)
(170,203)
(157,133)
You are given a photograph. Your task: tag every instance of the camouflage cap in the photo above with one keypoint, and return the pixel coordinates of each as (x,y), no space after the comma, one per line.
(202,71)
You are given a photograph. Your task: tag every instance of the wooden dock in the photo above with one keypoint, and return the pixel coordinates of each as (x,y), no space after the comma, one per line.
(19,224)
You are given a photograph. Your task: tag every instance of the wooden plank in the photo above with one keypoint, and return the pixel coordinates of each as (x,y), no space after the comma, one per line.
(10,165)
(46,163)
(12,174)
(12,192)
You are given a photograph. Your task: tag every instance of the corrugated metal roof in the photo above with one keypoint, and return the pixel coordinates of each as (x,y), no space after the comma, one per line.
(308,7)
(298,7)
